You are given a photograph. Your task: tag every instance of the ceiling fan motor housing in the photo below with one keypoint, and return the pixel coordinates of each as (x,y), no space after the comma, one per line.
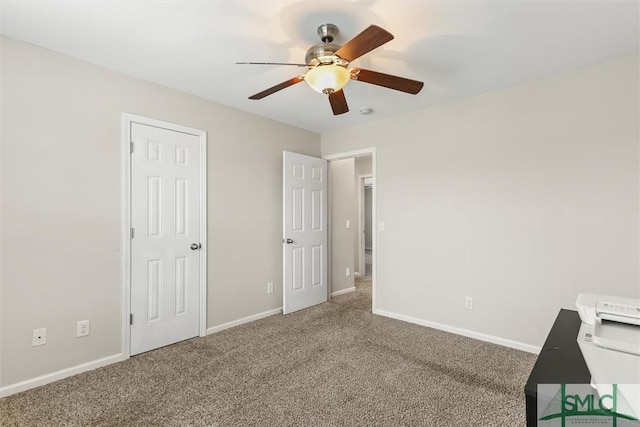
(322,54)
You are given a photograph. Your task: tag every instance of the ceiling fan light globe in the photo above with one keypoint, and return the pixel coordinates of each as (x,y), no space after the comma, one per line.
(327,78)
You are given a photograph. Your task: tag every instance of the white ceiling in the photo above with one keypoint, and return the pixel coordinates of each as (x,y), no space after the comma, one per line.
(457,48)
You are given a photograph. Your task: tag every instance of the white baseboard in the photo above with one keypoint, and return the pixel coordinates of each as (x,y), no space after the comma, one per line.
(59,375)
(248,319)
(65,373)
(459,331)
(55,376)
(343,291)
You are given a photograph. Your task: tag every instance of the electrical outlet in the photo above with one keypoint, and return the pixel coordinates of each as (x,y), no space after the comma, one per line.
(39,337)
(381,226)
(348,272)
(468,303)
(270,287)
(83,328)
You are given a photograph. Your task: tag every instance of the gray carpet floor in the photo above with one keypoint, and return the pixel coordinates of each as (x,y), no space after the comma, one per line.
(335,364)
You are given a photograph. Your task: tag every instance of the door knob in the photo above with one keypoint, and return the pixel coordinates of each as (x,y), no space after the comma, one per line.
(195,246)
(289,241)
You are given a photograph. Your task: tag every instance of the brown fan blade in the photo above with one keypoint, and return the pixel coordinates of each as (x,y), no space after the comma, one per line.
(387,80)
(364,42)
(271,63)
(338,102)
(276,88)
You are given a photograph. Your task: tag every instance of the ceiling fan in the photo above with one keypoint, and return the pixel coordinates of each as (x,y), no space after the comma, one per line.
(327,67)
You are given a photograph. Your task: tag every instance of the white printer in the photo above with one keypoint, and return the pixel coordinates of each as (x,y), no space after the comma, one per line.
(609,340)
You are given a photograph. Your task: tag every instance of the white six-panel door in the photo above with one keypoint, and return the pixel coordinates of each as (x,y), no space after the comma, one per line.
(165,217)
(304,231)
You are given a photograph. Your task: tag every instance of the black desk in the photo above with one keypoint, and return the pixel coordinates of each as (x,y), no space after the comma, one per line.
(560,361)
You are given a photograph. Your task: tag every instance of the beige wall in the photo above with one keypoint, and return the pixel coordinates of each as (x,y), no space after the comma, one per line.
(368,218)
(61,181)
(343,208)
(363,166)
(519,198)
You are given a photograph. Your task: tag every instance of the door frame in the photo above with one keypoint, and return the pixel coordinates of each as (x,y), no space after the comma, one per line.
(374,215)
(127,120)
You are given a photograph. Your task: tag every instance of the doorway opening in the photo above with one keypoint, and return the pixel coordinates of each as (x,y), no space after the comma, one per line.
(365,223)
(352,219)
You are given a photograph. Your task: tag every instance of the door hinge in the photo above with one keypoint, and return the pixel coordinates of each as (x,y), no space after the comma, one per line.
(132,232)
(131,146)
(131,318)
